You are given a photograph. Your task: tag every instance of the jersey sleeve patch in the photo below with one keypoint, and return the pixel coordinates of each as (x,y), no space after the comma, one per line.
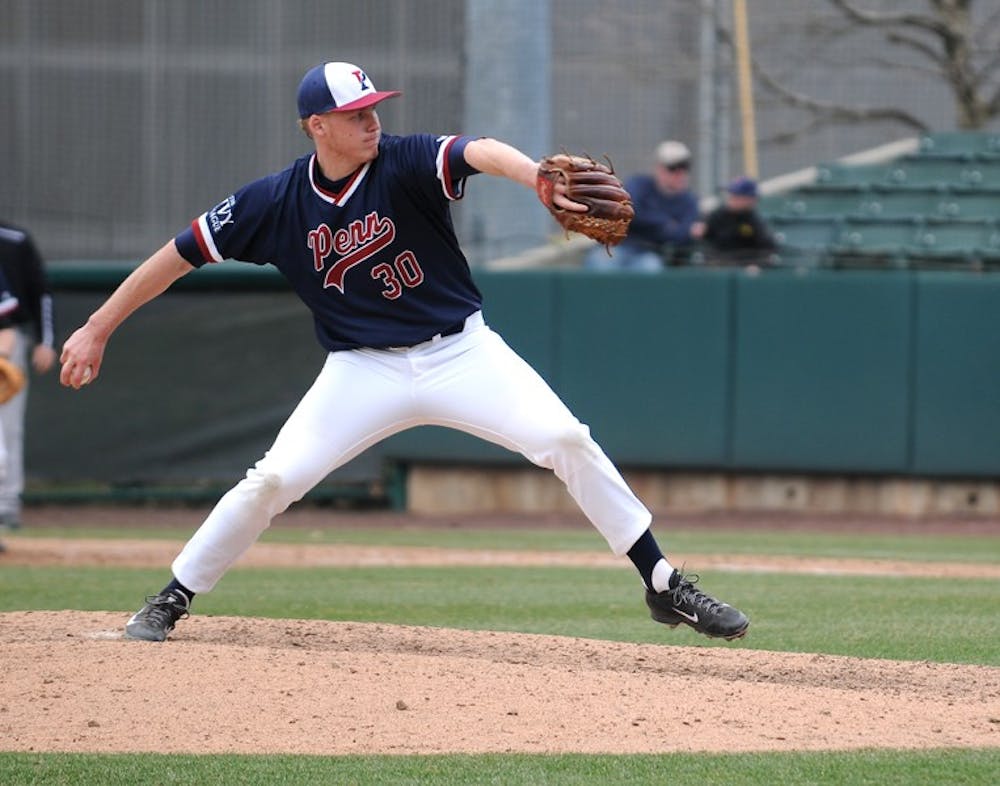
(237,228)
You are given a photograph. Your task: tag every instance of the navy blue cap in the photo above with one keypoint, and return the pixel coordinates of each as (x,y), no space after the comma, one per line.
(743,186)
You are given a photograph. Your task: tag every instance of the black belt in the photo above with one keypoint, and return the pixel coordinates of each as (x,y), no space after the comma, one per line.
(458,327)
(451,330)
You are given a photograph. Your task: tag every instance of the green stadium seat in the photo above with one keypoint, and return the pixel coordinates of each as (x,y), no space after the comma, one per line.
(819,202)
(772,204)
(846,175)
(989,253)
(918,171)
(983,174)
(802,240)
(975,205)
(954,240)
(867,241)
(970,143)
(914,171)
(939,205)
(901,203)
(803,232)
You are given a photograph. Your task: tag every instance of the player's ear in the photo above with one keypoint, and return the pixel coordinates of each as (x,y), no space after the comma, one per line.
(316,126)
(313,126)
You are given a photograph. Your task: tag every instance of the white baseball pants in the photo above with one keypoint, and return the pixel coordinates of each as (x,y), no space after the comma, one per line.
(471,381)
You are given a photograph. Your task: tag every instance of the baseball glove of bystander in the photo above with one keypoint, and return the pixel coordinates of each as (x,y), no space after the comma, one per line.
(11,380)
(591,183)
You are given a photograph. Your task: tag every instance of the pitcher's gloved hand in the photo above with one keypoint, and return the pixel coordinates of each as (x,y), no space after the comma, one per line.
(590,183)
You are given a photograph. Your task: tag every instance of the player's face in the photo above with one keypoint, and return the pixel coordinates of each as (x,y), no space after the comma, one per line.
(354,135)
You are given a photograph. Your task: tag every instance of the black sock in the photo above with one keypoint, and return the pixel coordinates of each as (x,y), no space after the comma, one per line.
(175,585)
(645,553)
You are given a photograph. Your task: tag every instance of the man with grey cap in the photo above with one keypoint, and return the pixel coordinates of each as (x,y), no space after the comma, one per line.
(666,216)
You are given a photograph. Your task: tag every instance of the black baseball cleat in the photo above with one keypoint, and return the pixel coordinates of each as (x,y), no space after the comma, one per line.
(155,620)
(684,603)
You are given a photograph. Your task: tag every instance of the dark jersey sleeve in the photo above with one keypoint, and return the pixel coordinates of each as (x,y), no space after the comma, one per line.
(454,155)
(236,228)
(436,163)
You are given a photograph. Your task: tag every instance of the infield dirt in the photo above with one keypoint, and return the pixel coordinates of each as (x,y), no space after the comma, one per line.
(70,682)
(222,684)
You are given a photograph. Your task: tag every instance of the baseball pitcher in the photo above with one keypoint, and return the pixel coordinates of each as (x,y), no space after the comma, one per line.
(361,229)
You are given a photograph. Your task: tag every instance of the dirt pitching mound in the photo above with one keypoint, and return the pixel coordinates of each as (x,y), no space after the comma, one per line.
(69,682)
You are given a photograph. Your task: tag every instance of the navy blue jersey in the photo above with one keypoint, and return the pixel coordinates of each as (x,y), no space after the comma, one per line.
(373,256)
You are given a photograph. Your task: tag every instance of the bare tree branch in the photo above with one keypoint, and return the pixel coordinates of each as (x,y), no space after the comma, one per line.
(876,19)
(924,48)
(839,112)
(912,68)
(789,136)
(827,110)
(943,42)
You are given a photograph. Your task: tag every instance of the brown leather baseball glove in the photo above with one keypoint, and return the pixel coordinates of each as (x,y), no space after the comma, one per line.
(593,184)
(11,380)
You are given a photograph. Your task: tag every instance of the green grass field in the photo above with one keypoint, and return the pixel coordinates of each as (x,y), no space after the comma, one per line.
(942,620)
(866,768)
(929,548)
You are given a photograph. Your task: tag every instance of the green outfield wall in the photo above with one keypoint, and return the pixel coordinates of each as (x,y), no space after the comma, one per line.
(846,372)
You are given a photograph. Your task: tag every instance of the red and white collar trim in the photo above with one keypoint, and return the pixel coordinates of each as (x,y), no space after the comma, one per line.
(340,198)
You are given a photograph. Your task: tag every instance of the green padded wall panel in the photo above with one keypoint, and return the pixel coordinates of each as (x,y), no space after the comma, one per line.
(957,403)
(822,371)
(644,360)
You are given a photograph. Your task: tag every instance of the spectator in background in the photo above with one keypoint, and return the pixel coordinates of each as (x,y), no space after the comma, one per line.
(666,216)
(34,337)
(735,233)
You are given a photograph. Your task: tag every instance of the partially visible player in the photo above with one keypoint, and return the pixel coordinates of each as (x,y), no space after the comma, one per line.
(362,230)
(33,351)
(9,305)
